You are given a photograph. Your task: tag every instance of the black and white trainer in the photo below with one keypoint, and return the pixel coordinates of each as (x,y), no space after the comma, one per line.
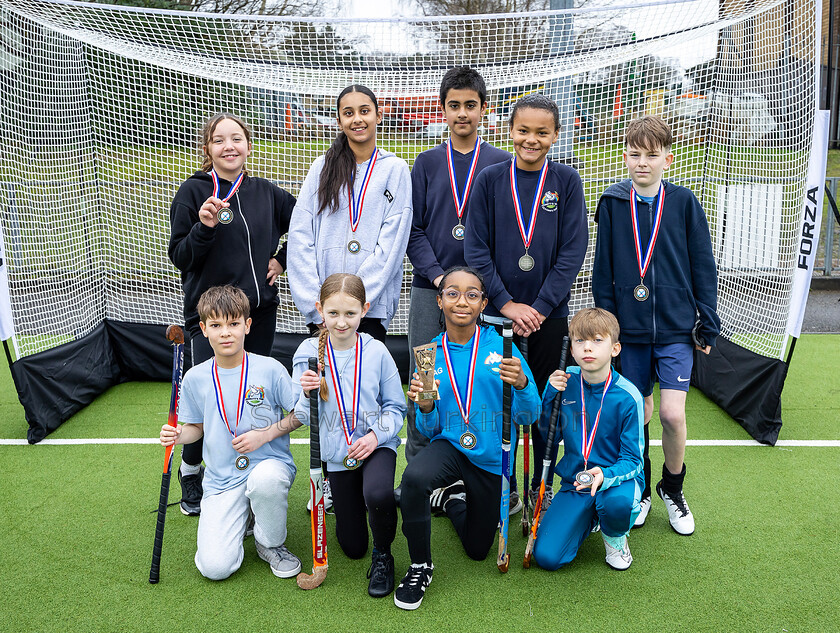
(412,588)
(440,496)
(191,492)
(680,517)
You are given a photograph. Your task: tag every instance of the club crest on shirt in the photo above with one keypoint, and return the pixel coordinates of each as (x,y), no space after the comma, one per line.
(255,395)
(549,201)
(493,358)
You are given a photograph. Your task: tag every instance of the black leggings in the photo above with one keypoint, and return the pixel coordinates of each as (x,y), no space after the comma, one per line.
(437,465)
(366,490)
(258,341)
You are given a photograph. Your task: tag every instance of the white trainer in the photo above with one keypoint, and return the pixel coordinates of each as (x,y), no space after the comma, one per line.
(680,517)
(618,558)
(644,504)
(327,498)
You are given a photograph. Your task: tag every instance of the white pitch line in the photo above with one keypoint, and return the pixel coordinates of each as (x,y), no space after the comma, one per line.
(304,440)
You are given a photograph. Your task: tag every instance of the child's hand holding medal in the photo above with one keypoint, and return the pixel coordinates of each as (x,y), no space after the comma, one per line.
(209,212)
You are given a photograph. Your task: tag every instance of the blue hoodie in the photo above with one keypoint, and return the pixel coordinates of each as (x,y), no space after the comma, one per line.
(619,439)
(444,422)
(682,277)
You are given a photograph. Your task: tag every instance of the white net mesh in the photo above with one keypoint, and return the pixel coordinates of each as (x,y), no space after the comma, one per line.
(103,106)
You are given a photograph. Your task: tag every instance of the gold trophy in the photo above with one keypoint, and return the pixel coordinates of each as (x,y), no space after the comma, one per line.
(424,358)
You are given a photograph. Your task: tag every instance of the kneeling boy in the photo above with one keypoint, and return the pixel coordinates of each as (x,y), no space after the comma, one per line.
(601,423)
(236,401)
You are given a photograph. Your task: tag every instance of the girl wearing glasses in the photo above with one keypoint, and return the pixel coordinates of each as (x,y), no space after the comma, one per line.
(465,432)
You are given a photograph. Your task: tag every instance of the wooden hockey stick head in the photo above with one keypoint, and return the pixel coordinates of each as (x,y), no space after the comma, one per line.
(175,334)
(310,581)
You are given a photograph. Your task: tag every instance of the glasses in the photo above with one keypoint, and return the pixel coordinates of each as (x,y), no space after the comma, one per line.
(451,295)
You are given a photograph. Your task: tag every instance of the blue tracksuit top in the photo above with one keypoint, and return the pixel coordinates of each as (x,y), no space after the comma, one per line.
(431,248)
(682,277)
(493,244)
(444,422)
(619,440)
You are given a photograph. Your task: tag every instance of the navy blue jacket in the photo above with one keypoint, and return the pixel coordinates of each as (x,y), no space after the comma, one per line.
(431,247)
(493,243)
(682,277)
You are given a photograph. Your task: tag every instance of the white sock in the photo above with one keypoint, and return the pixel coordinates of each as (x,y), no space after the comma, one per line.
(188,469)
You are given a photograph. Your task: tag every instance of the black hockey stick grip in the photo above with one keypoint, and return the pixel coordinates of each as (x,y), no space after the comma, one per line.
(154,573)
(555,406)
(174,334)
(507,352)
(314,431)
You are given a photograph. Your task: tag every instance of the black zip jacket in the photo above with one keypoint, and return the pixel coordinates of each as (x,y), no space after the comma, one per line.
(237,253)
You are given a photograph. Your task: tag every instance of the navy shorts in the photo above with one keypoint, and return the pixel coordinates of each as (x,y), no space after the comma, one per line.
(643,364)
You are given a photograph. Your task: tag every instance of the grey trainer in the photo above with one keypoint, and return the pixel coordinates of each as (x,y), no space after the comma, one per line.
(283,563)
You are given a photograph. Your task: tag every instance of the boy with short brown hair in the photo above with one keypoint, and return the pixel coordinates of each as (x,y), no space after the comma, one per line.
(654,269)
(236,401)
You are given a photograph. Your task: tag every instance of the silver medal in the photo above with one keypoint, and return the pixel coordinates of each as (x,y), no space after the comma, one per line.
(526,262)
(641,292)
(468,441)
(351,463)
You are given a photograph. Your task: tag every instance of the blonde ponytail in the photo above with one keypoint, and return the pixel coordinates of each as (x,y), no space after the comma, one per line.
(322,345)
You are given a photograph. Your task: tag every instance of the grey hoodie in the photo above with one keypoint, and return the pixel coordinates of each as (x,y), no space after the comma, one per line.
(317,244)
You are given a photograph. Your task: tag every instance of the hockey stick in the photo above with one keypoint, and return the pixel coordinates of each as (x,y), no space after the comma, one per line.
(525,493)
(526,482)
(549,442)
(175,334)
(504,509)
(316,495)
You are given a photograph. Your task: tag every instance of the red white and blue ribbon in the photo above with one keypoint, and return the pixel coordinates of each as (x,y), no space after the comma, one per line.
(220,399)
(461,202)
(465,402)
(348,422)
(644,258)
(217,189)
(527,235)
(587,442)
(356,203)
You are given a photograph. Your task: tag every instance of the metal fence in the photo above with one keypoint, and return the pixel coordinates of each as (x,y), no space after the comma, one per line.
(829,252)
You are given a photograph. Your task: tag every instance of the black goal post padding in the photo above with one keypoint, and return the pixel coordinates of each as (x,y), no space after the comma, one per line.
(55,384)
(748,386)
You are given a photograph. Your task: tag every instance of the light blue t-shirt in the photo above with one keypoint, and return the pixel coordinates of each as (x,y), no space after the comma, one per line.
(268,393)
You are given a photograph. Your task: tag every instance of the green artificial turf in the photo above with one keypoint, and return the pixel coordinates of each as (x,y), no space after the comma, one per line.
(78,523)
(79,530)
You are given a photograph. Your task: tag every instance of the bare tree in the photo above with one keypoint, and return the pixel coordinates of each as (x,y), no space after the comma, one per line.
(477,7)
(247,7)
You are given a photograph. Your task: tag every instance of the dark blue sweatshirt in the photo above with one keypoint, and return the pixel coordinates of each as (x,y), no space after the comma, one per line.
(432,248)
(682,277)
(493,244)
